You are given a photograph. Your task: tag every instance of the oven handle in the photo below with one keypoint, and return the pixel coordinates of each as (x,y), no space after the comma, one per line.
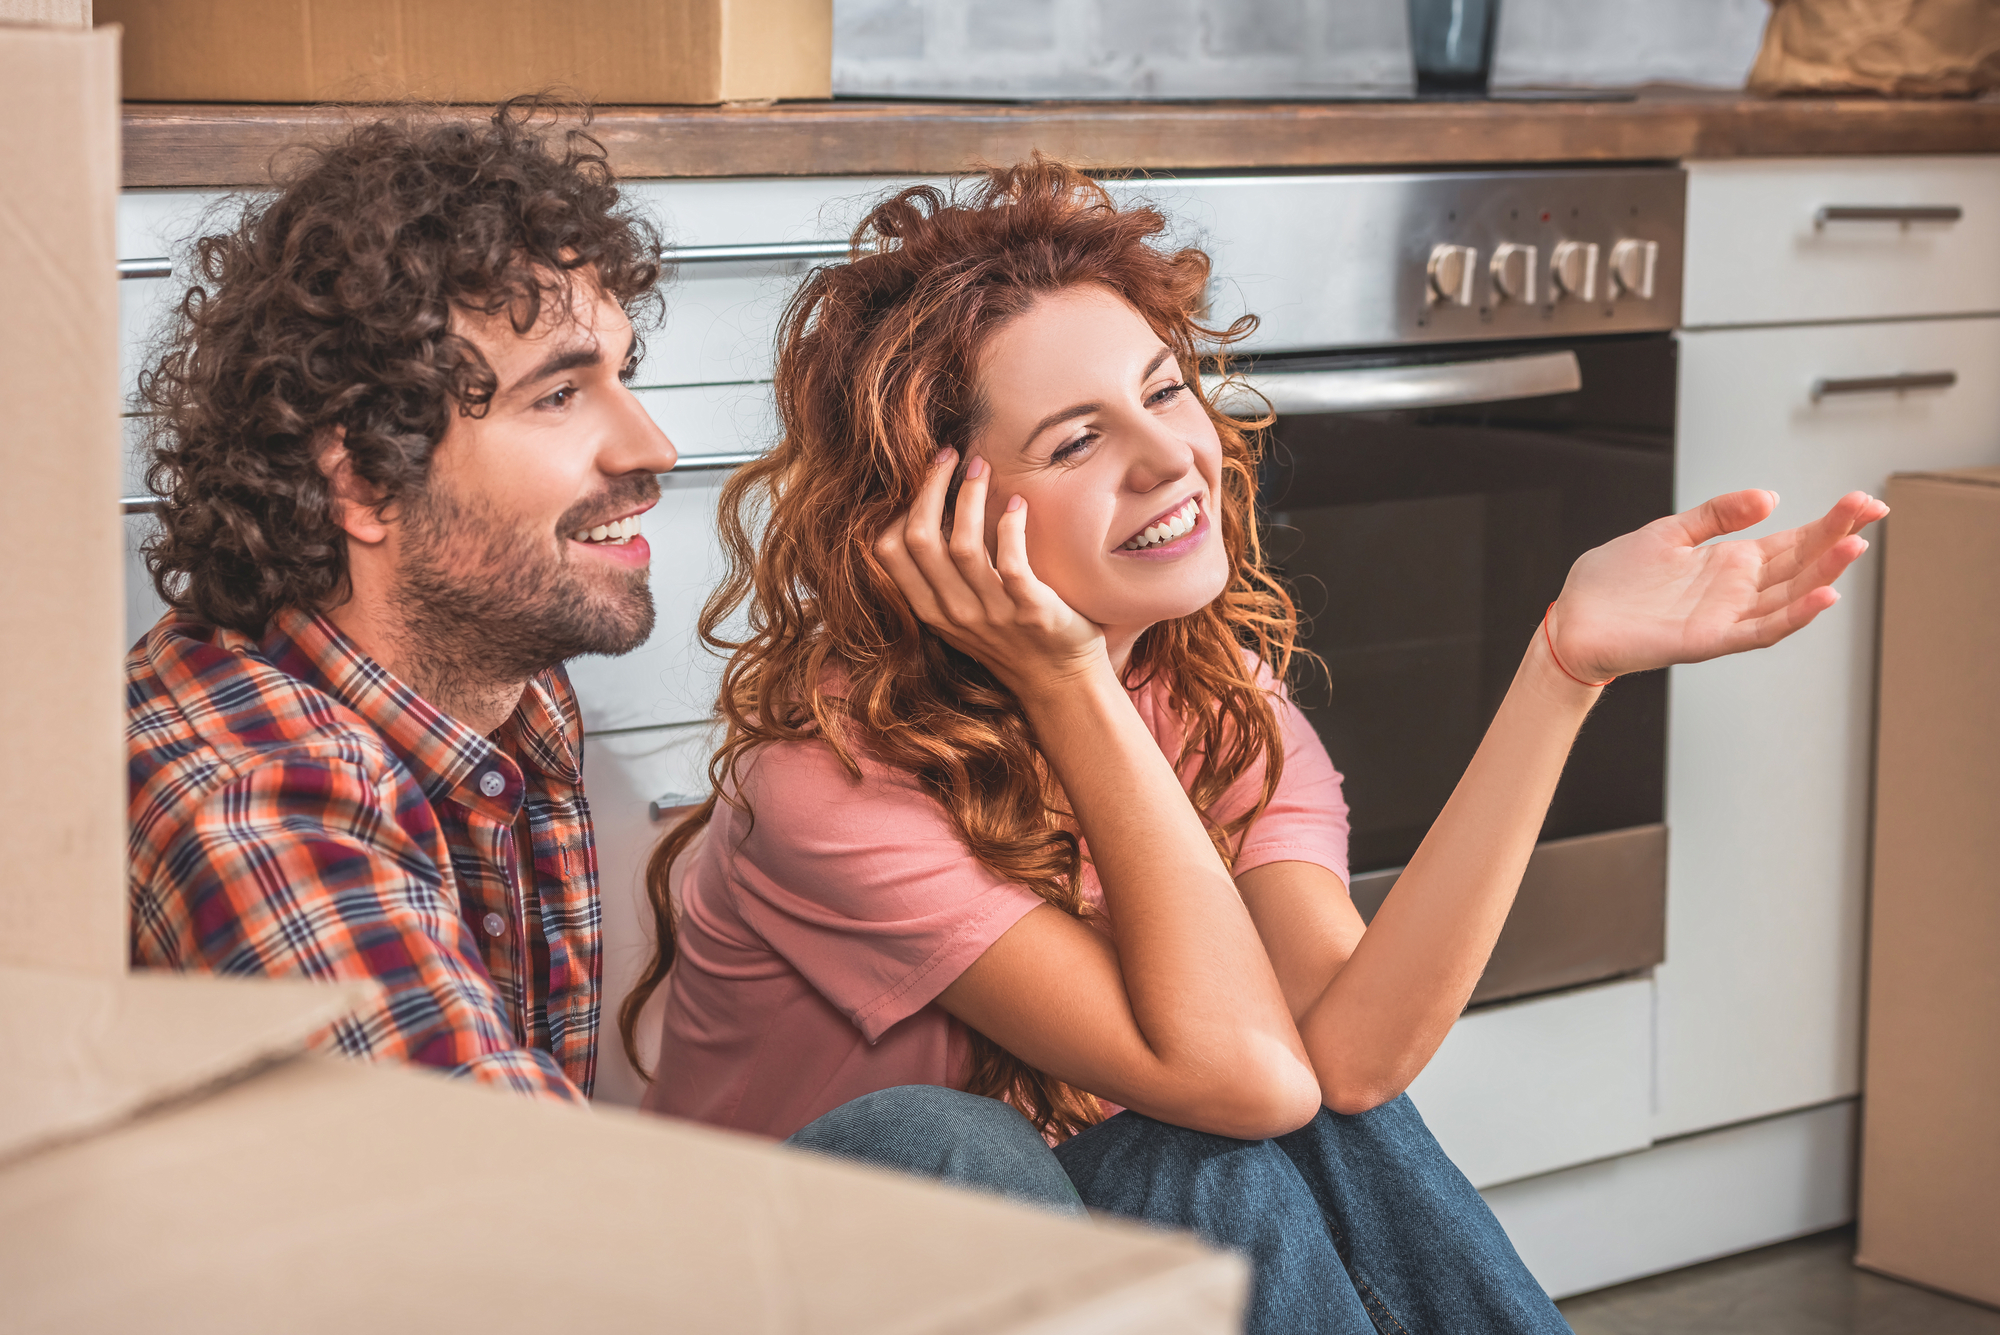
(1374,389)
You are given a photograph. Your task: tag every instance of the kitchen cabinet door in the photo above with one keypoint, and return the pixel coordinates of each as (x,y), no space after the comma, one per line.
(622,773)
(1758,253)
(1531,1086)
(1769,752)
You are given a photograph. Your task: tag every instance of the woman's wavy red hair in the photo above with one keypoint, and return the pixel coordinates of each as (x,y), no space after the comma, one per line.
(877,371)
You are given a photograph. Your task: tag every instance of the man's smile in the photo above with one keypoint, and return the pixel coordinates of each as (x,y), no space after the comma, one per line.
(617,540)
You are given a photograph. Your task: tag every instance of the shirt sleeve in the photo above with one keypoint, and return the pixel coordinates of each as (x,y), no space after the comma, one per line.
(862,886)
(299,867)
(1306,820)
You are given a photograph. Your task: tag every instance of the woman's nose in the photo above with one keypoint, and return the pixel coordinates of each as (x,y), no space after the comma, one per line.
(1159,455)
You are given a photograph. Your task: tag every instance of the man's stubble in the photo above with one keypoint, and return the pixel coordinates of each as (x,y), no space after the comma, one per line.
(485,603)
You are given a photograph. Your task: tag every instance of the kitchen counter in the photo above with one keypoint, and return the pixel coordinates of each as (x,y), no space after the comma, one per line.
(184,145)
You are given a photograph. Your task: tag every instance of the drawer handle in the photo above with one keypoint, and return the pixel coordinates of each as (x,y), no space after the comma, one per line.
(666,804)
(691,463)
(764,254)
(1904,214)
(1883,384)
(157,267)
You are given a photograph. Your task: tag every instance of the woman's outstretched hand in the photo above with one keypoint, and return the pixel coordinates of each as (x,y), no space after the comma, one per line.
(1659,596)
(991,607)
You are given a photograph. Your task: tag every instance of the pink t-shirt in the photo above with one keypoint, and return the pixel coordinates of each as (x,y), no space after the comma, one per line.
(817,930)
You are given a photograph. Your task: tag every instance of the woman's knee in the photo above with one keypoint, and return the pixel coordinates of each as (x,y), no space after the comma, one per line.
(946,1134)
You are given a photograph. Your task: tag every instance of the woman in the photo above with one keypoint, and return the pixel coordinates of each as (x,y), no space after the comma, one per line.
(1013,801)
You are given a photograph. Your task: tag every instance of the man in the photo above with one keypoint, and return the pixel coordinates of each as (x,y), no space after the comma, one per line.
(403,482)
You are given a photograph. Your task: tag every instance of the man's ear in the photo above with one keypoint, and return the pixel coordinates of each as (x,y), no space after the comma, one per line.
(355,501)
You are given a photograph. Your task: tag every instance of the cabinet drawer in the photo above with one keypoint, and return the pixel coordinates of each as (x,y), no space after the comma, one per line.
(1538,1085)
(722,316)
(1758,251)
(1768,753)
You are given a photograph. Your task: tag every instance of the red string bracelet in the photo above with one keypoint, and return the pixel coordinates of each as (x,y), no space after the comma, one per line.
(1558,657)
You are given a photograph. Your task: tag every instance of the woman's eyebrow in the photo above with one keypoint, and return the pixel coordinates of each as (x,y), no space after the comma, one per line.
(1062,415)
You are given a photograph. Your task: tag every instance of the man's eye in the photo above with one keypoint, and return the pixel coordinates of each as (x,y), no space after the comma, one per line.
(629,369)
(559,399)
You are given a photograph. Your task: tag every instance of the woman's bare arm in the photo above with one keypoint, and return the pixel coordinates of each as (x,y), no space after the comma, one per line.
(1177,1013)
(1374,1004)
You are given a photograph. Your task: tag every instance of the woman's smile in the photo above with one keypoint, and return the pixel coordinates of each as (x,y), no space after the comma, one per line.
(1174,534)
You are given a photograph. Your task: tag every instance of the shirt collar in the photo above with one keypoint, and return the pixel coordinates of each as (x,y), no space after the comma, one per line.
(447,759)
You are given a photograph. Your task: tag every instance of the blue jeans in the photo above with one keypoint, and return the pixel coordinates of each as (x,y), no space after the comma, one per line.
(1353,1225)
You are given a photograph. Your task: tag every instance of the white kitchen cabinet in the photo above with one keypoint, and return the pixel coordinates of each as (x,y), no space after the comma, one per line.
(1683,1202)
(1536,1085)
(622,773)
(722,317)
(1758,252)
(1769,753)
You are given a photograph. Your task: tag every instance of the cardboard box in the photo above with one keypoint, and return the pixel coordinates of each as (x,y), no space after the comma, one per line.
(609,51)
(1930,1156)
(61,541)
(171,1160)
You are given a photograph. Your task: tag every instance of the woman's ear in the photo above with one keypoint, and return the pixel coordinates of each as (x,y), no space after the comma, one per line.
(356,502)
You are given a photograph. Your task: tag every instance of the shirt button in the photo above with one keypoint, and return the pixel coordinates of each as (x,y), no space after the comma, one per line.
(494,924)
(492,783)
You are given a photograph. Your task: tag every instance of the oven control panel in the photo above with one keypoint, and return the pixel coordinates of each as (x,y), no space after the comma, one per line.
(1364,259)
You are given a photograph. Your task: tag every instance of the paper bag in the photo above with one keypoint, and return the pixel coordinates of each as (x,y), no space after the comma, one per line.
(1903,48)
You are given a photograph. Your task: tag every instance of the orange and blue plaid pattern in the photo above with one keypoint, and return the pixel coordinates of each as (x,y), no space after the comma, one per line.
(296,810)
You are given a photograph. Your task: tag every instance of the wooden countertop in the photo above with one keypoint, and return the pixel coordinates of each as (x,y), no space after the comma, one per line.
(215,145)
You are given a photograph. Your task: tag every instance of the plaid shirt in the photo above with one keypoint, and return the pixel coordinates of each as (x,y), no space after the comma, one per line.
(297,810)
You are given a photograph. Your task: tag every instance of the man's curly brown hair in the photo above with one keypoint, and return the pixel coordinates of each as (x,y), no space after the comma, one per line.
(330,305)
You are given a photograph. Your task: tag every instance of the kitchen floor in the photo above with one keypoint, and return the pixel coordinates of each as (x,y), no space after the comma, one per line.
(1806,1287)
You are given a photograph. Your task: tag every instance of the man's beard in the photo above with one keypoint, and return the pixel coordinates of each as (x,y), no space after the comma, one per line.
(483,602)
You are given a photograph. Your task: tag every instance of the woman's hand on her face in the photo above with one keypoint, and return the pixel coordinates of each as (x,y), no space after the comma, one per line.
(1660,596)
(991,607)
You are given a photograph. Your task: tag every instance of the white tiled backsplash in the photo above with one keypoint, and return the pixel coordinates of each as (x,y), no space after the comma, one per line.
(1267,48)
(1121,48)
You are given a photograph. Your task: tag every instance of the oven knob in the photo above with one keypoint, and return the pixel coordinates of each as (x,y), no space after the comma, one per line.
(1573,269)
(1632,265)
(1451,271)
(1514,272)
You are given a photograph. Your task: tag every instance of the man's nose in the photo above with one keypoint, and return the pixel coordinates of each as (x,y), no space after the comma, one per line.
(636,443)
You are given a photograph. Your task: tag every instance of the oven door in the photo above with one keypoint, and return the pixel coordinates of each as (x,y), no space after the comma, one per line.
(1425,507)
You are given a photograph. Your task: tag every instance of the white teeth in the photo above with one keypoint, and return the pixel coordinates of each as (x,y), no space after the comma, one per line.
(1179,523)
(616,533)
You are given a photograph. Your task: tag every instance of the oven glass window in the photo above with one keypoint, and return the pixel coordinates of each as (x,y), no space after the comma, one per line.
(1423,546)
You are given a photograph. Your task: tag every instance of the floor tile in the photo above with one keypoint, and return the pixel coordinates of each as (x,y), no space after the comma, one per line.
(1806,1287)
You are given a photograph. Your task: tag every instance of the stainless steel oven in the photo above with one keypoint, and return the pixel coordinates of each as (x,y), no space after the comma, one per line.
(1423,537)
(1474,382)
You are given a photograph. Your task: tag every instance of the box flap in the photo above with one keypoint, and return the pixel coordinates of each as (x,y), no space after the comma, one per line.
(83,1052)
(334,1196)
(1965,477)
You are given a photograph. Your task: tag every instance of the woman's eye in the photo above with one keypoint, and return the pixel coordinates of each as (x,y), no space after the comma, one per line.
(1167,393)
(1073,450)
